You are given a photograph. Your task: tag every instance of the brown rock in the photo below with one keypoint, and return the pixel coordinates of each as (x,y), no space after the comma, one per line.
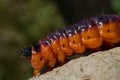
(102,65)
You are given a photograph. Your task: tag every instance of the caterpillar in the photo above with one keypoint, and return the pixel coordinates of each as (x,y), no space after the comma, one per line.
(87,34)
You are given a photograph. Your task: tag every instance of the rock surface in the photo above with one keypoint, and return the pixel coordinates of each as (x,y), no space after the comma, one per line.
(102,65)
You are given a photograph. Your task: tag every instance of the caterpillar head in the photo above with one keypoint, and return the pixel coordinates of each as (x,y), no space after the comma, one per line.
(27,52)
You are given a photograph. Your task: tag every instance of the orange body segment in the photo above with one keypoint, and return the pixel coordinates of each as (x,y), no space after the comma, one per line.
(64,44)
(75,42)
(110,32)
(37,62)
(91,38)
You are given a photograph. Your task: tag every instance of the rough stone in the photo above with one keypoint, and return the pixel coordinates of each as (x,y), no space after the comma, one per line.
(101,65)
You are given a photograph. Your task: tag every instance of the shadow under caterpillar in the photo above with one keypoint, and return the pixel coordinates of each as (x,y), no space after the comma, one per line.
(89,34)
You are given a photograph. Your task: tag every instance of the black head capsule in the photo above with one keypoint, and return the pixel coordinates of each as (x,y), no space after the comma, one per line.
(27,52)
(36,48)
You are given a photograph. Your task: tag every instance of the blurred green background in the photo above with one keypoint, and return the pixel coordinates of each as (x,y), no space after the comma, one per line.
(24,22)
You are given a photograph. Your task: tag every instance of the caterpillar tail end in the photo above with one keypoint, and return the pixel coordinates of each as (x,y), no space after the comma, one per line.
(37,63)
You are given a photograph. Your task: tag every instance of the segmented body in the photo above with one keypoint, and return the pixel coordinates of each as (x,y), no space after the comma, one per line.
(74,39)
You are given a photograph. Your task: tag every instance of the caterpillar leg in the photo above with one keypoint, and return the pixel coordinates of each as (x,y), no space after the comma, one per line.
(61,57)
(51,60)
(49,56)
